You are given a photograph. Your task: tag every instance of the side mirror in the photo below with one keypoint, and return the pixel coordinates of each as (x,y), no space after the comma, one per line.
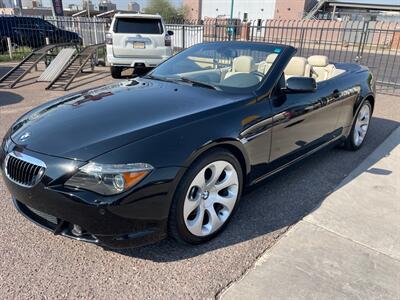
(301,84)
(170,32)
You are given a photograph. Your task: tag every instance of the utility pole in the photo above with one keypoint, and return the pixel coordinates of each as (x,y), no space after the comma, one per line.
(231,21)
(53,10)
(232,2)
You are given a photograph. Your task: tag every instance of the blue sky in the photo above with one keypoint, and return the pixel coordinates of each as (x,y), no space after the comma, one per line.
(121,4)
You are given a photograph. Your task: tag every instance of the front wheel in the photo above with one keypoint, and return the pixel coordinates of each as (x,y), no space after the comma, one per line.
(206,198)
(360,127)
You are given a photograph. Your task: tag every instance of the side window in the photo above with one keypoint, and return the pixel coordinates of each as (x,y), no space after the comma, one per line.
(280,85)
(282,82)
(36,23)
(47,25)
(26,23)
(279,93)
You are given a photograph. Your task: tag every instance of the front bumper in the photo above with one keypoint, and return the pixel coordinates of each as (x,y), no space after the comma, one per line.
(135,218)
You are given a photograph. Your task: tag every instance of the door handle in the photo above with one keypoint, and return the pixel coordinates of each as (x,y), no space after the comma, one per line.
(336,94)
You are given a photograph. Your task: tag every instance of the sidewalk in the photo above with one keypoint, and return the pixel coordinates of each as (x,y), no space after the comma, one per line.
(349,248)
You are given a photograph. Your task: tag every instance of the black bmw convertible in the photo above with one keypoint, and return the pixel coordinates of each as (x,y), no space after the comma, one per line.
(171,152)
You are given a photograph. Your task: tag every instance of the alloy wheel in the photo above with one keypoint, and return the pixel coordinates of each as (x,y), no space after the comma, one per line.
(211,198)
(362,124)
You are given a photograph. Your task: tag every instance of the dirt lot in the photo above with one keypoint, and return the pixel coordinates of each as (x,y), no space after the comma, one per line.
(36,264)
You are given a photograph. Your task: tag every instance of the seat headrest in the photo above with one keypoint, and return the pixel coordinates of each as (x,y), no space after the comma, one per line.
(271,58)
(296,66)
(318,60)
(243,64)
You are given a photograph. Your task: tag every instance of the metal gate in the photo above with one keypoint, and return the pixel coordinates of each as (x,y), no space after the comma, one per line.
(374,44)
(371,43)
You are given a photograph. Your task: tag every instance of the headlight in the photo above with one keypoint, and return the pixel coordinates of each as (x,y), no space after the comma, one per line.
(108,179)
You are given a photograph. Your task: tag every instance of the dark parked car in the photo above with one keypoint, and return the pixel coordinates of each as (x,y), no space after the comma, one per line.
(171,152)
(32,32)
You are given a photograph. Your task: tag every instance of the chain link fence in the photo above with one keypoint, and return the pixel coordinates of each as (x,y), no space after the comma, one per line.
(371,43)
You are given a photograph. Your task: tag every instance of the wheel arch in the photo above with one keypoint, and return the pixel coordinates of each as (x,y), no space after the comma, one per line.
(357,106)
(362,98)
(233,146)
(371,99)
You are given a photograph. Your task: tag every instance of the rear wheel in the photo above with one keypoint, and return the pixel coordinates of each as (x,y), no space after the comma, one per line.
(206,198)
(116,72)
(141,71)
(360,127)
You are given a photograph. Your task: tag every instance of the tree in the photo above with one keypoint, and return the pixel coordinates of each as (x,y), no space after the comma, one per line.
(165,9)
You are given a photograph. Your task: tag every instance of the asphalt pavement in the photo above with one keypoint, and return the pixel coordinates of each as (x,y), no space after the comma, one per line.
(36,264)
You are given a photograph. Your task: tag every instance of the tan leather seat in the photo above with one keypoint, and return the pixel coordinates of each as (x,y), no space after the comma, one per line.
(240,75)
(242,64)
(298,67)
(321,68)
(265,65)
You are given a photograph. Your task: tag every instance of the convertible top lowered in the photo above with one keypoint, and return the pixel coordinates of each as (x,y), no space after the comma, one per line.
(170,153)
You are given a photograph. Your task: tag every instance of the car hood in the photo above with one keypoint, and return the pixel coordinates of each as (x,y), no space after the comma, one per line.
(84,125)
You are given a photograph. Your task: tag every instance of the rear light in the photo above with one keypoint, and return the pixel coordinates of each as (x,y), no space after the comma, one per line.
(167,40)
(109,40)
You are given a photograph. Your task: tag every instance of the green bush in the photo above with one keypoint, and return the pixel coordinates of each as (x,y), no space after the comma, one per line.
(18,54)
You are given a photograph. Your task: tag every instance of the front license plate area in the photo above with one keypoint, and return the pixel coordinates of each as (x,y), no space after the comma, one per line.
(139,45)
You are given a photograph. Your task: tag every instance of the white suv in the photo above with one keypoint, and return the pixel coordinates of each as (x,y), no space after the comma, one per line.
(137,41)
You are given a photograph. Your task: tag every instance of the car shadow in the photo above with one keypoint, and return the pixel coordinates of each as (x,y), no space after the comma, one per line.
(271,207)
(8,98)
(4,70)
(86,78)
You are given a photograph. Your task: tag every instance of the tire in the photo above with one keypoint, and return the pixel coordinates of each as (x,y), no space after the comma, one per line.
(360,127)
(197,213)
(116,72)
(141,71)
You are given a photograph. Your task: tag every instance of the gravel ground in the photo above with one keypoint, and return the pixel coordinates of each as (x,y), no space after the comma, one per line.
(36,264)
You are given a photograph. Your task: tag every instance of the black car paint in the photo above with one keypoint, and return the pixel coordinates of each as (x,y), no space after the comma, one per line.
(169,125)
(32,32)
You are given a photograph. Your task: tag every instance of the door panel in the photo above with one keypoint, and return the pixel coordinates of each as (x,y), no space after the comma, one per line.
(348,98)
(302,122)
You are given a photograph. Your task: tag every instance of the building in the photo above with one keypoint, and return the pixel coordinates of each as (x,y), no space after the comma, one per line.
(293,9)
(73,7)
(193,9)
(133,7)
(371,10)
(31,3)
(106,5)
(87,4)
(38,11)
(249,9)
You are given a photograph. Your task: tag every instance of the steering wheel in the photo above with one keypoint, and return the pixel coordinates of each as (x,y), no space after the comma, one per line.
(259,74)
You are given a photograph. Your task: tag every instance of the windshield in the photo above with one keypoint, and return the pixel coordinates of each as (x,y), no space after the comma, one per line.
(227,66)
